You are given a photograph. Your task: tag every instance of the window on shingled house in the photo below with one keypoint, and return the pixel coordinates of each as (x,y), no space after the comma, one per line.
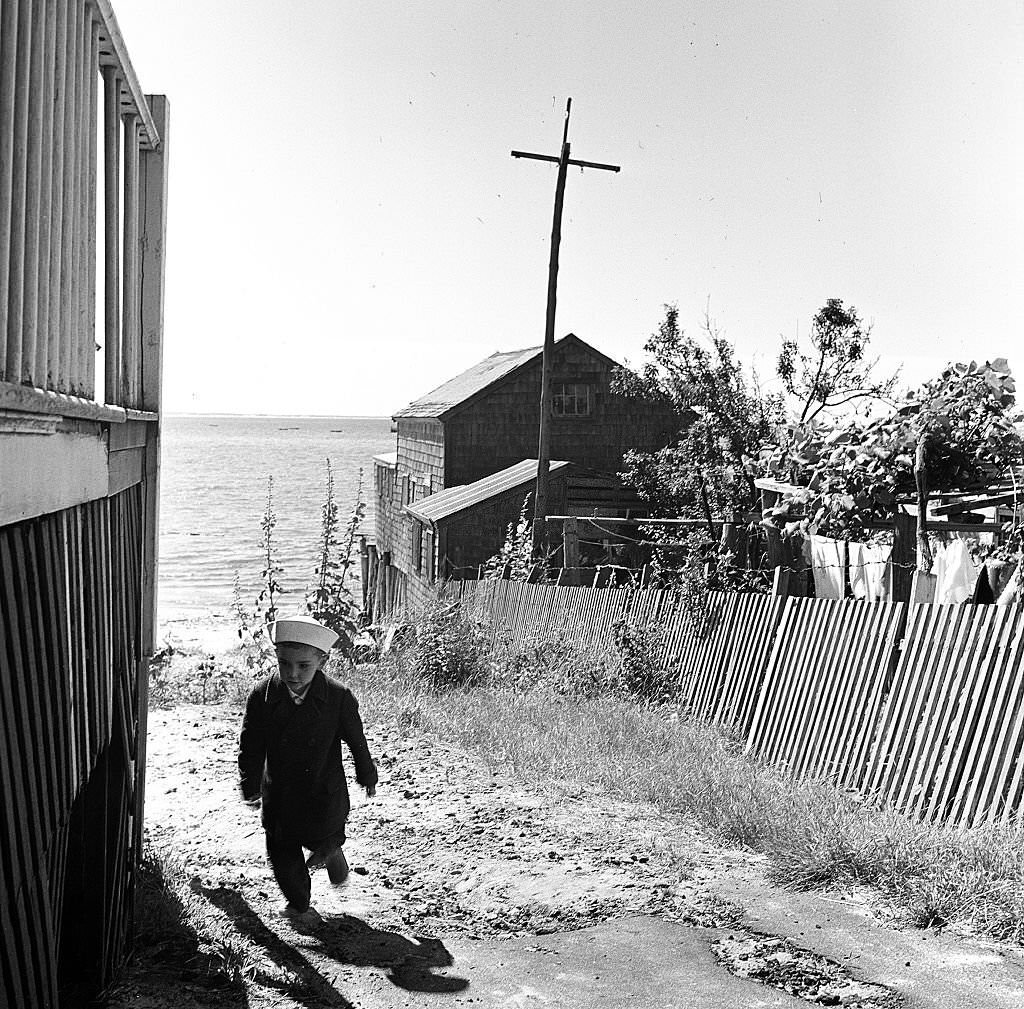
(571,399)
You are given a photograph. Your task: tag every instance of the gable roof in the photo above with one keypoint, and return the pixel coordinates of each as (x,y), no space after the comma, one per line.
(458,391)
(453,500)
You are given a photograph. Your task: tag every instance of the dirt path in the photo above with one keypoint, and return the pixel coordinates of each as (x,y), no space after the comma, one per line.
(449,859)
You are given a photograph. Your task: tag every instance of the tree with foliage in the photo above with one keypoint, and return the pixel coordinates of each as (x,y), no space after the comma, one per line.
(833,370)
(955,433)
(725,417)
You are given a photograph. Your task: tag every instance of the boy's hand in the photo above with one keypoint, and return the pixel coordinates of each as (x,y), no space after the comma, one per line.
(371,791)
(254,803)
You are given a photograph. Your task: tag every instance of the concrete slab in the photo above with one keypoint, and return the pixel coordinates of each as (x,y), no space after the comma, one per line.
(642,963)
(929,970)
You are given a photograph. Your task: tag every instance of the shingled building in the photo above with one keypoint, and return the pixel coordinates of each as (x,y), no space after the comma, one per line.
(486,421)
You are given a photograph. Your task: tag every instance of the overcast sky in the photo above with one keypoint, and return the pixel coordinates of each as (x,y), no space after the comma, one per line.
(347,228)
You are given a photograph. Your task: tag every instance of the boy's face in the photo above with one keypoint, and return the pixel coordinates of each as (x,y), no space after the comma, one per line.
(298,664)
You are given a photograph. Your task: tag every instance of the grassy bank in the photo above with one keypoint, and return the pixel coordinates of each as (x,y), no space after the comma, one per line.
(574,720)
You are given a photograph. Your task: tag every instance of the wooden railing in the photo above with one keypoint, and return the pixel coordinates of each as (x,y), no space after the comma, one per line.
(53,56)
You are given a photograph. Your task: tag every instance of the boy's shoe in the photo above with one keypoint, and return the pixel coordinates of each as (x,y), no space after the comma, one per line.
(308,917)
(337,866)
(334,859)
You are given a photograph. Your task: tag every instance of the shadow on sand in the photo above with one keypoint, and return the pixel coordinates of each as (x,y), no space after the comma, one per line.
(346,940)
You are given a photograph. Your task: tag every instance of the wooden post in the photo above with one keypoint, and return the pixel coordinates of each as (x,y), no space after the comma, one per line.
(88,379)
(152,229)
(130,266)
(21,46)
(923,588)
(84,341)
(902,561)
(8,65)
(111,235)
(570,542)
(33,189)
(49,182)
(924,550)
(780,581)
(540,503)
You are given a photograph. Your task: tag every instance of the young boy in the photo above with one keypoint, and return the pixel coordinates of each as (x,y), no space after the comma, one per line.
(289,756)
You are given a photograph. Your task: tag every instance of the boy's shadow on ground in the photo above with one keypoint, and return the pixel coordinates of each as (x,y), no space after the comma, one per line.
(349,940)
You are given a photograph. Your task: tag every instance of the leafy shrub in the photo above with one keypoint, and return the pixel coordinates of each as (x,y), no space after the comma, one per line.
(643,674)
(450,650)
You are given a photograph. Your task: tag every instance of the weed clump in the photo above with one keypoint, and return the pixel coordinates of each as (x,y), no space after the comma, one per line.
(449,650)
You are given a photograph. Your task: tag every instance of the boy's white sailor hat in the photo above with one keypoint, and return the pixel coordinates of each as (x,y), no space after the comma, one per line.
(303,630)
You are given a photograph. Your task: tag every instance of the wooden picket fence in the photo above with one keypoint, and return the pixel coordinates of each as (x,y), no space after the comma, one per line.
(921,705)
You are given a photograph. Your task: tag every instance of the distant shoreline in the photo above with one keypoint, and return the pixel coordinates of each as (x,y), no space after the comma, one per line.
(283,416)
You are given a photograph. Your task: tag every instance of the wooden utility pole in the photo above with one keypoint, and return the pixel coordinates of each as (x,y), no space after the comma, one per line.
(540,503)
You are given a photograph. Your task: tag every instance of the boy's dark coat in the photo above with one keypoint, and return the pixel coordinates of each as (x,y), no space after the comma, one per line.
(291,755)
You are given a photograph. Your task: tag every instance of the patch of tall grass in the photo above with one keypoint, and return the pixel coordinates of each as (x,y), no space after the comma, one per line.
(560,716)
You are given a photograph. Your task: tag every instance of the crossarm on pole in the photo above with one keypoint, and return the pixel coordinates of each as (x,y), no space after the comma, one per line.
(571,161)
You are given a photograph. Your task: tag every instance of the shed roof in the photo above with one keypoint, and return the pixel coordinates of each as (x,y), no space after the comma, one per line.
(452,500)
(458,389)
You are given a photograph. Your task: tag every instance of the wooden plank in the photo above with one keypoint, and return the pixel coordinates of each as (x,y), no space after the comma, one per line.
(47,183)
(52,372)
(1003,791)
(771,686)
(111,239)
(901,714)
(130,328)
(91,124)
(126,469)
(85,340)
(8,65)
(81,693)
(54,472)
(975,680)
(69,209)
(38,700)
(33,187)
(987,736)
(930,743)
(19,193)
(59,617)
(14,978)
(22,784)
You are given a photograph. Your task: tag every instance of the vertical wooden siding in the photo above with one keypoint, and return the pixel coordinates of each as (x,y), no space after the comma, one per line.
(70,624)
(923,705)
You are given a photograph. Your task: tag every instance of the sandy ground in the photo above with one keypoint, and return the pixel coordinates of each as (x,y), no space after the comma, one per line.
(452,864)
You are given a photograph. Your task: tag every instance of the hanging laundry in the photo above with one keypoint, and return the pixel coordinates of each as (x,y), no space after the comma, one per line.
(983,587)
(868,565)
(955,573)
(829,567)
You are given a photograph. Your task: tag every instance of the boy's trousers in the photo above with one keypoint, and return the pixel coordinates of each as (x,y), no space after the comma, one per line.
(284,851)
(289,865)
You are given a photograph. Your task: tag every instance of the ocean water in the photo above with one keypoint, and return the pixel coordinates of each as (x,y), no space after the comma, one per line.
(214,491)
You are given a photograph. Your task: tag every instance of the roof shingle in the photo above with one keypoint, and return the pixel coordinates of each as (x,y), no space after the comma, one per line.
(458,389)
